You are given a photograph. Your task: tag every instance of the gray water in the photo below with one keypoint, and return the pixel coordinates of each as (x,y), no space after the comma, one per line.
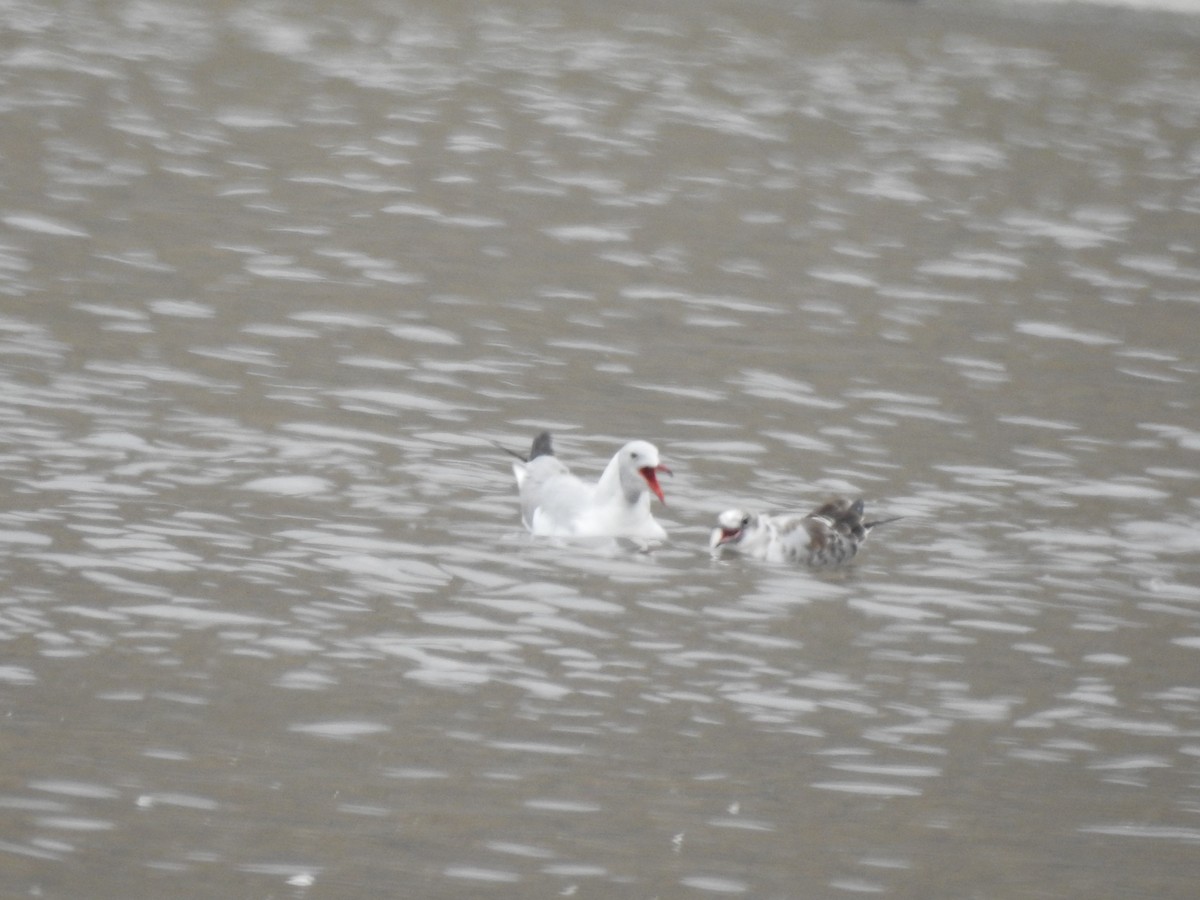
(273,276)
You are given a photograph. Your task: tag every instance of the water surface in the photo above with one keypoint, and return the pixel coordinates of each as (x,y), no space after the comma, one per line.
(273,278)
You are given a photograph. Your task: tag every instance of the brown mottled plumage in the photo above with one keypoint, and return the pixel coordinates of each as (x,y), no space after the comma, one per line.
(828,536)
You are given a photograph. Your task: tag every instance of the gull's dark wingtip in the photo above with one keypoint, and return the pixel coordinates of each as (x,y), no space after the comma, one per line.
(541,446)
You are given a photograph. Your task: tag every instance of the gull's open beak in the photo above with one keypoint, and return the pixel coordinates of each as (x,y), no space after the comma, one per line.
(650,473)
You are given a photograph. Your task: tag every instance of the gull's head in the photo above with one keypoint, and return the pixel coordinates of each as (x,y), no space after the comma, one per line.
(639,459)
(731,528)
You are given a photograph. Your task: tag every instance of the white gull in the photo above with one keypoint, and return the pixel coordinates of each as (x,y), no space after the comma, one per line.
(556,503)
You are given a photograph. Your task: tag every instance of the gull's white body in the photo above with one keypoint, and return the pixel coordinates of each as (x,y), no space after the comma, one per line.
(556,503)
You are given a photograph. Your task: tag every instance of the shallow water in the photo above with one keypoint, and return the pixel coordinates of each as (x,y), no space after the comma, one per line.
(274,277)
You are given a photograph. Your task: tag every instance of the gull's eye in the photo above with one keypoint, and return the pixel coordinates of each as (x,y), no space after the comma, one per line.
(745,521)
(633,454)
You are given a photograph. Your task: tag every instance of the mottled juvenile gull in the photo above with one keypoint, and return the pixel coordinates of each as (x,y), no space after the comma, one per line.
(827,536)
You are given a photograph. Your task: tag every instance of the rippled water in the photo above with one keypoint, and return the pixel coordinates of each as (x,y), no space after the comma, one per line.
(274,276)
